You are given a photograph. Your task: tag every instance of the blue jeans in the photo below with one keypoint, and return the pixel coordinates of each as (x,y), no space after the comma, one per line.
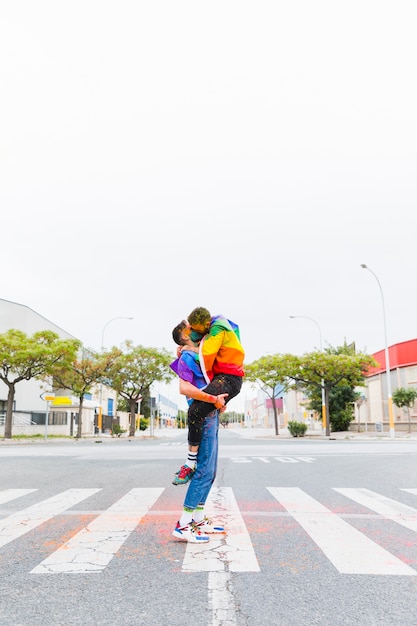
(205,472)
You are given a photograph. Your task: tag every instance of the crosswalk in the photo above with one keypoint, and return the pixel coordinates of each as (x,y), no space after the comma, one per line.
(90,550)
(272,459)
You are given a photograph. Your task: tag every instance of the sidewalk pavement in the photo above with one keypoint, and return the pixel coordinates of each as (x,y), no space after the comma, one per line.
(246,433)
(320,434)
(261,433)
(250,433)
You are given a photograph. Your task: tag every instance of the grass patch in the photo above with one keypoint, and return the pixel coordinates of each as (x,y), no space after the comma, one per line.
(40,436)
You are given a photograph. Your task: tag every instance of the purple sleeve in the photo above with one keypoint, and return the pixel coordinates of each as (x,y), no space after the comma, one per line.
(184,371)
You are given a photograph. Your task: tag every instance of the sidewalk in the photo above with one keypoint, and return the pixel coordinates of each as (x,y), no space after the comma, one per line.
(285,434)
(245,433)
(319,434)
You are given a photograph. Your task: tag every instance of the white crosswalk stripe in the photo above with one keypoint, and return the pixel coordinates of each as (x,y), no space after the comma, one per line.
(93,547)
(350,551)
(398,512)
(12,494)
(20,523)
(234,549)
(280,459)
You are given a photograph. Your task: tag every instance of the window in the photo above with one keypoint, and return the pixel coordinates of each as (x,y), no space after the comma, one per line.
(411,374)
(58,418)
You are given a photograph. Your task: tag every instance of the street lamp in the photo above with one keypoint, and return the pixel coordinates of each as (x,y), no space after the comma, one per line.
(107,323)
(387,361)
(293,317)
(100,415)
(323,395)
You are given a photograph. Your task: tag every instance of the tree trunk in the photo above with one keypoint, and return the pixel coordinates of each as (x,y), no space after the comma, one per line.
(9,411)
(132,417)
(80,418)
(274,406)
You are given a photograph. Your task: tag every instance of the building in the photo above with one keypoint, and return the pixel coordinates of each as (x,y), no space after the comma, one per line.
(372,409)
(30,406)
(290,406)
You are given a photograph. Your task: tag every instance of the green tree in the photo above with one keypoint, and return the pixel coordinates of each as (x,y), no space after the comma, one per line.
(403,397)
(341,397)
(309,371)
(271,374)
(23,357)
(82,374)
(224,419)
(335,370)
(181,419)
(134,371)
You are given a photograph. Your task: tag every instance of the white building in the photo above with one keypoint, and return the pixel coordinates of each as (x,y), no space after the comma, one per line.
(29,411)
(373,408)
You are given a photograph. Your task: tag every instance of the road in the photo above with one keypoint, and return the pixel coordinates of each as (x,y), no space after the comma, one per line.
(319,532)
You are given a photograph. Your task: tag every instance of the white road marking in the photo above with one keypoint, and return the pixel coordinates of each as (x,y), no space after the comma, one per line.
(231,552)
(221,601)
(265,459)
(20,523)
(349,550)
(11,494)
(398,512)
(93,547)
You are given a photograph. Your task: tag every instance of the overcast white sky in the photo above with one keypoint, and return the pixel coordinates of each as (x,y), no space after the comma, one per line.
(242,156)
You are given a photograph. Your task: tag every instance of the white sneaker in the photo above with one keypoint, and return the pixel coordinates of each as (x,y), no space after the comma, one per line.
(190,533)
(207,526)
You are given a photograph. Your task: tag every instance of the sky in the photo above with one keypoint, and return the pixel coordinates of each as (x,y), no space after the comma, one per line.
(247,157)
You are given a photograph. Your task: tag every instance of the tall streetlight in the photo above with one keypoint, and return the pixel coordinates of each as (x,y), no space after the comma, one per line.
(100,415)
(109,322)
(387,361)
(323,395)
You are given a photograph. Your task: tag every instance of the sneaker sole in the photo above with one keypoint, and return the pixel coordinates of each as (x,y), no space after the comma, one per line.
(189,540)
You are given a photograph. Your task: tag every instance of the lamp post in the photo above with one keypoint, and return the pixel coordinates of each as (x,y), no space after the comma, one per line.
(50,396)
(100,415)
(323,394)
(387,361)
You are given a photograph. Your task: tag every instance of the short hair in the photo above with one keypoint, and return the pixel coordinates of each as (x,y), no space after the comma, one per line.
(199,316)
(177,333)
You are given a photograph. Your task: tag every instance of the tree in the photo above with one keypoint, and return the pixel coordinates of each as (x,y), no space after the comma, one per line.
(82,374)
(134,371)
(309,371)
(403,397)
(271,373)
(181,419)
(341,397)
(335,370)
(23,357)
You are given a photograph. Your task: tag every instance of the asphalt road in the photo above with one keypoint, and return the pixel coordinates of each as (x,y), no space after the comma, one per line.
(319,532)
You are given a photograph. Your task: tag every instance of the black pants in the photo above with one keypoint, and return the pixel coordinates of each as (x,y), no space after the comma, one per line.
(222,383)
